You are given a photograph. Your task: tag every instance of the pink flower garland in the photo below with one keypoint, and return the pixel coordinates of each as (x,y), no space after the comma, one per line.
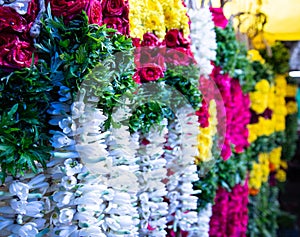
(230,212)
(237,112)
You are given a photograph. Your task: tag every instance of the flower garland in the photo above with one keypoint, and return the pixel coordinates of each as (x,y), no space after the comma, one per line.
(180,164)
(203,227)
(268,165)
(152,172)
(203,39)
(157,17)
(112,183)
(227,87)
(206,135)
(23,205)
(230,214)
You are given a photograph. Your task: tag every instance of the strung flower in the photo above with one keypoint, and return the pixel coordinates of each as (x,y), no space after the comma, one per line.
(19,189)
(28,229)
(68,182)
(180,163)
(63,198)
(66,216)
(72,167)
(203,39)
(153,209)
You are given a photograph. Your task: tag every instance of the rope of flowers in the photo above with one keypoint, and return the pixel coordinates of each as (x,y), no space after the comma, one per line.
(180,163)
(203,38)
(153,208)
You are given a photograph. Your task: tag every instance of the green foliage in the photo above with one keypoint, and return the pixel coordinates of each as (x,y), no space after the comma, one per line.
(232,57)
(289,147)
(185,80)
(279,58)
(263,212)
(148,114)
(23,132)
(227,49)
(96,58)
(224,174)
(267,143)
(262,71)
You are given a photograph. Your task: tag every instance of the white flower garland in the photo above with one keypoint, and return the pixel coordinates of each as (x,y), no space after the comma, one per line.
(202,229)
(183,172)
(153,209)
(23,205)
(96,198)
(203,37)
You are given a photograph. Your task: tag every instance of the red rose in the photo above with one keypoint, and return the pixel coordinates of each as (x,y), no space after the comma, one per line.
(136,42)
(218,17)
(175,38)
(70,9)
(15,53)
(150,39)
(120,24)
(203,115)
(10,20)
(32,11)
(172,39)
(149,55)
(115,8)
(150,72)
(94,12)
(179,56)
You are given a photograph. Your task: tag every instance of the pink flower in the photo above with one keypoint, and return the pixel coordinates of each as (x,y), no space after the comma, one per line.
(150,72)
(230,212)
(14,52)
(11,21)
(150,39)
(218,17)
(117,23)
(70,9)
(180,56)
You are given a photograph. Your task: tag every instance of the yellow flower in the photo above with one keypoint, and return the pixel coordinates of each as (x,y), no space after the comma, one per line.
(292,107)
(291,90)
(263,157)
(271,98)
(205,137)
(283,164)
(275,155)
(254,55)
(256,175)
(253,131)
(263,86)
(281,175)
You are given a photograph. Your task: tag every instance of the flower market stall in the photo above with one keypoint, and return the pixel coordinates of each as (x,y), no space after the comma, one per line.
(139,118)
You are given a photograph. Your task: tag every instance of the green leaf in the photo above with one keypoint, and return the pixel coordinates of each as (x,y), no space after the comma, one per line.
(13,110)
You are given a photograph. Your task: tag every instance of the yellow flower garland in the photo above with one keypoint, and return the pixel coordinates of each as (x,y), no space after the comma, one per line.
(205,137)
(157,16)
(267,162)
